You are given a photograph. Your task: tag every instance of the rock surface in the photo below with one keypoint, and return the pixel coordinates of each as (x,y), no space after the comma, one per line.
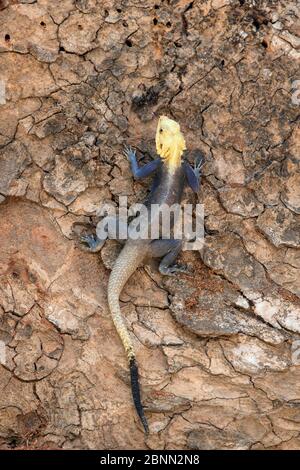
(219,351)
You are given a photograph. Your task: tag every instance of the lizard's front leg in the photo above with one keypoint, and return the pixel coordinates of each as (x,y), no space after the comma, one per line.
(137,172)
(193,175)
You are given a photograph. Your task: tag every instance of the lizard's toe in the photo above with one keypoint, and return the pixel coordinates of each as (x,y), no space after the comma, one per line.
(88,239)
(180,268)
(129,152)
(174,269)
(199,161)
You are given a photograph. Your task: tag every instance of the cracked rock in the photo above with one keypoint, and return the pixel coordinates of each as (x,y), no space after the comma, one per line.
(210,317)
(62,183)
(14,158)
(78,33)
(251,356)
(240,201)
(291,193)
(210,438)
(38,349)
(281,226)
(226,255)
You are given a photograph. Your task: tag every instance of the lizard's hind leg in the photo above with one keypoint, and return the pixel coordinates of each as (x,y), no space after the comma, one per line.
(84,239)
(168,250)
(91,243)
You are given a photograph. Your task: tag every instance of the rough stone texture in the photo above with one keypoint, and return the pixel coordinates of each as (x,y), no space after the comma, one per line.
(219,351)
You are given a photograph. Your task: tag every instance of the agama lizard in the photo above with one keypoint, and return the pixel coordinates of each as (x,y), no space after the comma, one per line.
(171,174)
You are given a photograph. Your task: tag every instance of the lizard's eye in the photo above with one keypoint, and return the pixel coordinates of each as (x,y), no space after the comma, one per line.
(160,130)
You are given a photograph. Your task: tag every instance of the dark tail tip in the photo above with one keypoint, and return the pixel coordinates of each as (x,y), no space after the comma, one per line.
(136,395)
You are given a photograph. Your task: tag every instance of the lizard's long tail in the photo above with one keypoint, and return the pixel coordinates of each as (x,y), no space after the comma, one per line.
(127,262)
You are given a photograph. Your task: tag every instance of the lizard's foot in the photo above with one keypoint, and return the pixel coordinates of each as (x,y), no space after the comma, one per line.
(129,153)
(172,270)
(199,161)
(91,243)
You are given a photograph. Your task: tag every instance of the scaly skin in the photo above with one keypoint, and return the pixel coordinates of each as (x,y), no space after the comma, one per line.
(127,262)
(171,175)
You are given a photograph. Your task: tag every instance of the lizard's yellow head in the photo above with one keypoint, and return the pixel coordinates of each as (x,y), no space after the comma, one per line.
(170,142)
